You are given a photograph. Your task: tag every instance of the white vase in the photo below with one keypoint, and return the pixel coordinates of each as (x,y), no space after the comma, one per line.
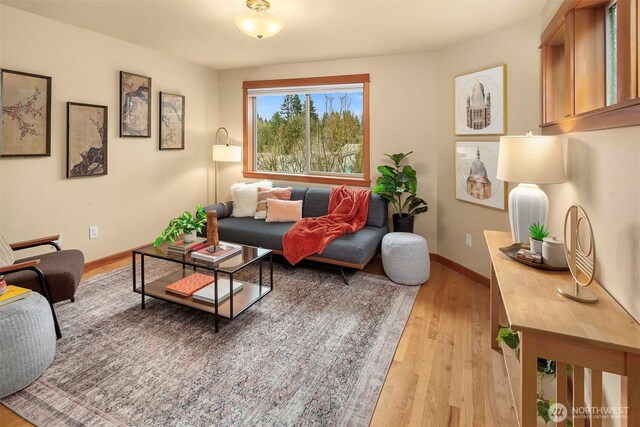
(536,246)
(528,204)
(189,237)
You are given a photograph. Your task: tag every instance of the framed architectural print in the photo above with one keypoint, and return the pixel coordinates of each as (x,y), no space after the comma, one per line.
(171,121)
(481,102)
(476,168)
(26,114)
(135,105)
(86,140)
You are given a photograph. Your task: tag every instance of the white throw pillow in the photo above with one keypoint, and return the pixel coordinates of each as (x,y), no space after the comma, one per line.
(245,198)
(7,256)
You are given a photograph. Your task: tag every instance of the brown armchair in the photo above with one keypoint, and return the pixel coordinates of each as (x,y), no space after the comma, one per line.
(56,275)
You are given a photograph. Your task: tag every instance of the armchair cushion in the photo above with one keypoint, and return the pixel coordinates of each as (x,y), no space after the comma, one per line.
(7,256)
(63,270)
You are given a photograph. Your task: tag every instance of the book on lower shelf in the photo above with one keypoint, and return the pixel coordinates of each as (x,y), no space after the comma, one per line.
(222,251)
(207,294)
(186,286)
(13,293)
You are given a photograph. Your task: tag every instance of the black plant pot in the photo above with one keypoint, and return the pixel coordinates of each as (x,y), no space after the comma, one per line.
(402,223)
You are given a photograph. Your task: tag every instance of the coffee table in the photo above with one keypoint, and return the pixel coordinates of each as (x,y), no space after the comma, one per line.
(230,307)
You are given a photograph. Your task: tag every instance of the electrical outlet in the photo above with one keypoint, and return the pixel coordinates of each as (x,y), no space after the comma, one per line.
(93,232)
(468,240)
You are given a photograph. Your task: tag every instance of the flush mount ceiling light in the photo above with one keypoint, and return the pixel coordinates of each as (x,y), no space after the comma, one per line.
(258,23)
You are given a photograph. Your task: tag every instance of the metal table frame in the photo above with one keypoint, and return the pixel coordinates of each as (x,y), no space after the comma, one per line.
(209,267)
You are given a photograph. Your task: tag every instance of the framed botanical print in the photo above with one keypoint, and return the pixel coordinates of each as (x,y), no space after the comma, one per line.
(135,105)
(26,114)
(171,121)
(481,102)
(476,169)
(86,139)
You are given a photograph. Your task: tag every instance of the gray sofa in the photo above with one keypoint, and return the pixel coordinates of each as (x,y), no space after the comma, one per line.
(351,250)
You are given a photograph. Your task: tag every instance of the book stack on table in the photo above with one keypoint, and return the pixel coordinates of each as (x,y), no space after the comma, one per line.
(187,286)
(202,288)
(182,248)
(216,253)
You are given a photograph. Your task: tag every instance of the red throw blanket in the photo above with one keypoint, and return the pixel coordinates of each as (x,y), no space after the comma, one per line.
(348,210)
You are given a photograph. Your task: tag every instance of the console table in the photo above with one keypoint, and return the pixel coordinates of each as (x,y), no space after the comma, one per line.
(601,337)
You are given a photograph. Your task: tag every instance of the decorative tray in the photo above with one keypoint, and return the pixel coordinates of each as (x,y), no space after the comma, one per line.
(512,250)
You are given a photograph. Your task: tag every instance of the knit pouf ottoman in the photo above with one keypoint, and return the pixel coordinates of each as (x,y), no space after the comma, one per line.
(27,342)
(405,258)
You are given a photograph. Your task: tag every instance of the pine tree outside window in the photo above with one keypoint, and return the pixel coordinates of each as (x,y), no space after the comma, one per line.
(311,130)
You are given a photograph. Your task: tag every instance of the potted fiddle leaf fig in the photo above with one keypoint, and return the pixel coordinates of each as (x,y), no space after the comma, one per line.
(186,223)
(399,185)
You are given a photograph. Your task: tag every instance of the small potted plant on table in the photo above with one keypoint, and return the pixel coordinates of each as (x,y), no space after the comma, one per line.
(398,184)
(186,223)
(537,233)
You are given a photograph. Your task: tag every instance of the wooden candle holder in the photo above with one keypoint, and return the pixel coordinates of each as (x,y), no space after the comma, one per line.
(212,228)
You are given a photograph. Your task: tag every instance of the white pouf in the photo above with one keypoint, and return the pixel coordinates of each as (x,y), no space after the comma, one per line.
(405,258)
(27,342)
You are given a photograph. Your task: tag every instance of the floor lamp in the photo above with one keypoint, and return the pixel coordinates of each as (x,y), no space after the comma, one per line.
(224,153)
(529,160)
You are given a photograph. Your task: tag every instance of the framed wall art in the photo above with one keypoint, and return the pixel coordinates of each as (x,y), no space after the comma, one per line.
(171,121)
(135,105)
(481,102)
(476,168)
(86,139)
(26,114)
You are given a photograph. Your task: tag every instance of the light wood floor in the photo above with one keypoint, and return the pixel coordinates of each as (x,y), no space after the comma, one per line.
(443,372)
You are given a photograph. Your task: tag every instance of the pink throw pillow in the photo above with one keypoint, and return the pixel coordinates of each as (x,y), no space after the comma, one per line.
(283,210)
(270,193)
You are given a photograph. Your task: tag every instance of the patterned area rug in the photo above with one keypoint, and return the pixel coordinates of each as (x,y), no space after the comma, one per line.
(312,352)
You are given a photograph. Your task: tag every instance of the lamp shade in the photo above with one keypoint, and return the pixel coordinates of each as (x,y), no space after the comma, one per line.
(258,24)
(226,153)
(531,159)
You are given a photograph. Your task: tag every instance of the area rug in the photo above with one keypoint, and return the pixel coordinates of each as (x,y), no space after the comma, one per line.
(313,352)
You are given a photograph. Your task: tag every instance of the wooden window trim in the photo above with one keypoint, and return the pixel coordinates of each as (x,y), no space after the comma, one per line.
(626,111)
(247,143)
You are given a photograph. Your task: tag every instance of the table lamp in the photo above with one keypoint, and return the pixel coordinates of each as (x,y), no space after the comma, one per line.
(224,153)
(529,160)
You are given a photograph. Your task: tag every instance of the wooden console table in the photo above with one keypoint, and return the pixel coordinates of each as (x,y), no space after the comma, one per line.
(601,337)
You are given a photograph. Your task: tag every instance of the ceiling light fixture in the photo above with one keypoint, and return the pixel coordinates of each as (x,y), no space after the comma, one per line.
(258,23)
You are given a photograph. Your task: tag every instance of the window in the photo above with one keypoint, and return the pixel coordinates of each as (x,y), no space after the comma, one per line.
(611,52)
(311,130)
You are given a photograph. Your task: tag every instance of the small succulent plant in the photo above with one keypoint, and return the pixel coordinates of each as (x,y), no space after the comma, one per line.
(538,231)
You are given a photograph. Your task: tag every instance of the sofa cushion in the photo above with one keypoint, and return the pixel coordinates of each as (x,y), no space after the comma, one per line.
(378,211)
(316,202)
(283,210)
(223,210)
(253,232)
(281,193)
(299,193)
(355,248)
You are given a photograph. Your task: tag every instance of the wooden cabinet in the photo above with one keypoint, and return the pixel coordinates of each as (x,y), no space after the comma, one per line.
(600,337)
(589,57)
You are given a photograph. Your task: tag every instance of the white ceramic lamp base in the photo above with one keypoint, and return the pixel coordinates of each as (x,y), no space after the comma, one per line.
(527,204)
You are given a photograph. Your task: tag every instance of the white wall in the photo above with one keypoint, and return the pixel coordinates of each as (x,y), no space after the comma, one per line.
(517,47)
(402,107)
(144,187)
